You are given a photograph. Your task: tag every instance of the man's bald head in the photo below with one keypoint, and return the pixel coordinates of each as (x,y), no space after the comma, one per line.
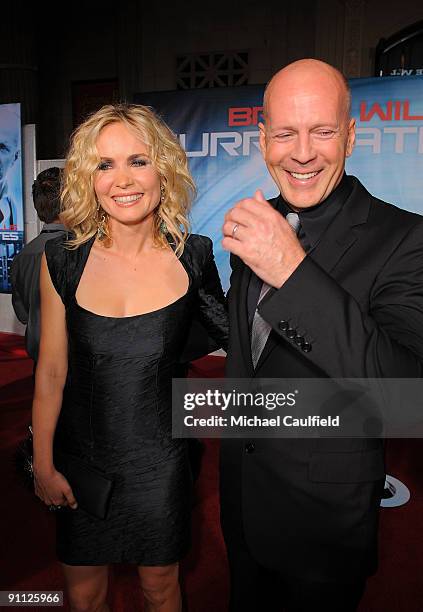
(308,132)
(305,70)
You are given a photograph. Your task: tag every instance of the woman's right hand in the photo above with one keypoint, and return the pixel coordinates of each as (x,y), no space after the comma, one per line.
(53,488)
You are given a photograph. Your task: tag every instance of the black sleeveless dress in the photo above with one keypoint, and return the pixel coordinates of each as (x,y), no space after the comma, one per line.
(116,413)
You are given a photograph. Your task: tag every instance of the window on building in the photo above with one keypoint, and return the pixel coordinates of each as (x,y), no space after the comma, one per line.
(203,70)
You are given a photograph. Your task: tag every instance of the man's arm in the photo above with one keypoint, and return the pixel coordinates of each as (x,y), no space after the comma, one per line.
(344,341)
(316,315)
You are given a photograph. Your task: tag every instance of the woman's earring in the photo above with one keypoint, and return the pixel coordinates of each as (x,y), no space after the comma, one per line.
(101,227)
(163,227)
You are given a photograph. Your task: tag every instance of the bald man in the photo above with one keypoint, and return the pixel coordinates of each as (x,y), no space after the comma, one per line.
(341,296)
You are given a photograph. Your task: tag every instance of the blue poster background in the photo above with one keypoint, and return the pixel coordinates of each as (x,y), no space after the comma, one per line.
(227,165)
(388,155)
(11,197)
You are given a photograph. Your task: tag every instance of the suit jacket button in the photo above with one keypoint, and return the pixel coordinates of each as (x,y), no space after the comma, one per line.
(249,448)
(283,325)
(291,333)
(306,347)
(299,340)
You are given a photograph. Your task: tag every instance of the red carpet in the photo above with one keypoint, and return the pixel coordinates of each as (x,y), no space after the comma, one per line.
(27,529)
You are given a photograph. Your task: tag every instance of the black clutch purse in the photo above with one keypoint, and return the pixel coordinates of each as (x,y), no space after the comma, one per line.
(91,488)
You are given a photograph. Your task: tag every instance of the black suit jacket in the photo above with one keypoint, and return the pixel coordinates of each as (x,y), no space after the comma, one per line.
(309,507)
(25,277)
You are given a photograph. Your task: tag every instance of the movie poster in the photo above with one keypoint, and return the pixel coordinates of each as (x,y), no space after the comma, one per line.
(11,196)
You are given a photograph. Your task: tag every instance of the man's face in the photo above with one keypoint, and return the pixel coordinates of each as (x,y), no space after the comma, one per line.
(8,149)
(306,138)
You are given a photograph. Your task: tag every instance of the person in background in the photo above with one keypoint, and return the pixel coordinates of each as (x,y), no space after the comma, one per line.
(25,270)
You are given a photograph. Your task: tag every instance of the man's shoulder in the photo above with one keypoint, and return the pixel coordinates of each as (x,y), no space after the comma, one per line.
(30,252)
(381,207)
(384,213)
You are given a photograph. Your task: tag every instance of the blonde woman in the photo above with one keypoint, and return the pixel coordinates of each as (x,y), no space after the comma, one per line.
(117,299)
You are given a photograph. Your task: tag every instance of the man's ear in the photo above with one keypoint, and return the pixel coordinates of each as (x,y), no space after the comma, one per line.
(262,139)
(351,137)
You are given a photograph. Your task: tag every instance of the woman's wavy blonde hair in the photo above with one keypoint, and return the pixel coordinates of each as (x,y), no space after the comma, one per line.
(80,210)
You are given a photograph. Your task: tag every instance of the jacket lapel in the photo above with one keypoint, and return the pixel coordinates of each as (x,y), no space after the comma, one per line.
(341,234)
(244,273)
(338,238)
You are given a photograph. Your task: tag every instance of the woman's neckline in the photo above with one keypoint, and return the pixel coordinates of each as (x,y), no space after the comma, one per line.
(88,246)
(141,314)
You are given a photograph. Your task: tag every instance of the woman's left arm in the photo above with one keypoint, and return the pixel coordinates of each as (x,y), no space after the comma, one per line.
(212,312)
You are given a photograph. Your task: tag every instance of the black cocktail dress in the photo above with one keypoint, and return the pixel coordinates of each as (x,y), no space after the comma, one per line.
(116,413)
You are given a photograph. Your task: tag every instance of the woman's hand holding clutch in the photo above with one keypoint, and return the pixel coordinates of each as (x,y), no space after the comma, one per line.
(53,489)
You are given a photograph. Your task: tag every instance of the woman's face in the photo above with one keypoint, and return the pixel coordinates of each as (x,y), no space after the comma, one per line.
(126,183)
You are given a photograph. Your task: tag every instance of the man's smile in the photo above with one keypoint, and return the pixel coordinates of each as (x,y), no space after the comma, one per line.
(304,176)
